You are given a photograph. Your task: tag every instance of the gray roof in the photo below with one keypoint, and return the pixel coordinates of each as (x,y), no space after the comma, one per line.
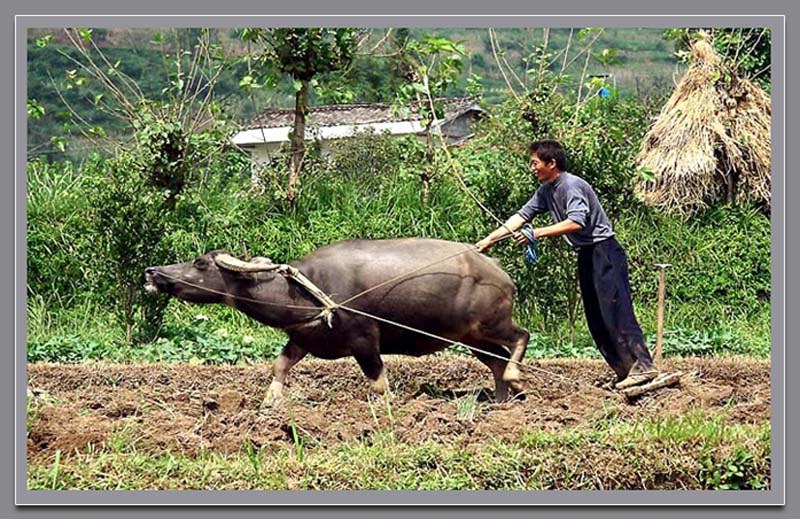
(358,113)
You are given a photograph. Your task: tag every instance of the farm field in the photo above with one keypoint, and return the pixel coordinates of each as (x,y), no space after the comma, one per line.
(162,426)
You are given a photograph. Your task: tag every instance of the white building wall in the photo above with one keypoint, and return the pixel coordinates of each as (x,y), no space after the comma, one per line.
(270,144)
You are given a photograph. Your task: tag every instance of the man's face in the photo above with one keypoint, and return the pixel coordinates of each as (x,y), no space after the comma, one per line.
(545,172)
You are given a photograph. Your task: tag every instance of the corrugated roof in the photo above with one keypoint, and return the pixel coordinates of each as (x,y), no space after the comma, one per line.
(356,113)
(281,134)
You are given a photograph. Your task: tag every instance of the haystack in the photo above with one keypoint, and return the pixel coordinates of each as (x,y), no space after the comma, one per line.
(711,141)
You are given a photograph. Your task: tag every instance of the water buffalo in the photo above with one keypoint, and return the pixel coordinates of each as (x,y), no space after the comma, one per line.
(466,298)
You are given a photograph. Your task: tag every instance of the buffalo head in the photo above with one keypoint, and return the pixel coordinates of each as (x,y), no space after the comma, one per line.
(205,279)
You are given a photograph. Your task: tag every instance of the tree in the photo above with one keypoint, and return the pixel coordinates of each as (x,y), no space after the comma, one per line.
(400,65)
(166,148)
(432,66)
(303,53)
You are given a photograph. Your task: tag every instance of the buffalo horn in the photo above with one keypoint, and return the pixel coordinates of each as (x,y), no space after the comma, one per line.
(228,262)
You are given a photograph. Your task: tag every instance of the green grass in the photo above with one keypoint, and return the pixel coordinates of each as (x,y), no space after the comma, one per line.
(220,335)
(680,452)
(191,334)
(687,332)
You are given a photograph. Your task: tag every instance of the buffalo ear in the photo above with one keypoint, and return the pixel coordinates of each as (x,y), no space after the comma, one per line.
(228,262)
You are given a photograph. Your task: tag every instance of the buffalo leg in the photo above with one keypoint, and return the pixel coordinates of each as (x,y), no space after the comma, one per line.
(499,329)
(518,339)
(375,371)
(368,356)
(291,355)
(365,347)
(498,368)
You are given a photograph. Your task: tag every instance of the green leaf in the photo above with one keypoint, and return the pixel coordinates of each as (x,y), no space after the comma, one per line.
(60,143)
(248,82)
(97,131)
(250,34)
(44,41)
(85,35)
(583,33)
(647,174)
(35,110)
(419,87)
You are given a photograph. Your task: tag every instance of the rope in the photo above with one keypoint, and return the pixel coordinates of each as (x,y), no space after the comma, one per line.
(240,298)
(314,290)
(404,275)
(472,348)
(454,165)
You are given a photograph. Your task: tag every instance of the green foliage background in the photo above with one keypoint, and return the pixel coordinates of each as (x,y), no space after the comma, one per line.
(141,55)
(718,288)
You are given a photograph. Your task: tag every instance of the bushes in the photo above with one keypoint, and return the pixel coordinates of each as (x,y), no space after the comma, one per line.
(720,258)
(371,189)
(199,342)
(62,258)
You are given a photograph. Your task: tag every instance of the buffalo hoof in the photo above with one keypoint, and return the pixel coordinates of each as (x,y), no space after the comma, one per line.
(509,391)
(511,374)
(274,397)
(380,386)
(501,394)
(516,387)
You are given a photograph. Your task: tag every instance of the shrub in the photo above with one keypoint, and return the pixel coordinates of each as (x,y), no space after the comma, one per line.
(62,258)
(720,257)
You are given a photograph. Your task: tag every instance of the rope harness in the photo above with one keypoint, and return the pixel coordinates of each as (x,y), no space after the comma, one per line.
(329,304)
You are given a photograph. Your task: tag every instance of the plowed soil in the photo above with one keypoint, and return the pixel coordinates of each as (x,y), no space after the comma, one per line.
(188,408)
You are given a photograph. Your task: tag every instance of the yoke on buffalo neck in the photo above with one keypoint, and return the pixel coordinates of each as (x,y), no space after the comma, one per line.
(291,275)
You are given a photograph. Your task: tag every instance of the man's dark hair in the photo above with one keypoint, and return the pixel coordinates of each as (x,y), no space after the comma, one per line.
(549,150)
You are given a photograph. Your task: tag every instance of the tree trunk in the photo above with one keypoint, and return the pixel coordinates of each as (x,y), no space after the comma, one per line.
(428,172)
(298,141)
(128,311)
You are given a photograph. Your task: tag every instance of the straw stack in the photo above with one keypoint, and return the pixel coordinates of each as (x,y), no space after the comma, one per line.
(711,141)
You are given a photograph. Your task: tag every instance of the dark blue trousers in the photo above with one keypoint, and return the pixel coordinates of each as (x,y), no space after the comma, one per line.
(606,293)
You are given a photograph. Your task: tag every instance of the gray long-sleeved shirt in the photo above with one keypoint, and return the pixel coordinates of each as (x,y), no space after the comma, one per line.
(571,197)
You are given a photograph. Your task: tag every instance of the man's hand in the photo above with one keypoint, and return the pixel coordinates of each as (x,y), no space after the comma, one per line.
(521,239)
(484,244)
(509,227)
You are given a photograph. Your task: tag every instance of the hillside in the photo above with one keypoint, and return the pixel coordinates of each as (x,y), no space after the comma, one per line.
(644,65)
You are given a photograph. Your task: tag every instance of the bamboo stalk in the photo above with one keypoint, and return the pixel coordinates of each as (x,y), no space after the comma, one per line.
(662,283)
(662,381)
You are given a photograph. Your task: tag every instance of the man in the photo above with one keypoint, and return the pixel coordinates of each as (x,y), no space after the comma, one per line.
(602,265)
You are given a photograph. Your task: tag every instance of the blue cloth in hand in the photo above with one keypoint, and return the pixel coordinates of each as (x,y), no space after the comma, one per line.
(530,250)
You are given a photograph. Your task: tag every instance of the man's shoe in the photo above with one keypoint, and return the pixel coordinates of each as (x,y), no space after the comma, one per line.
(636,379)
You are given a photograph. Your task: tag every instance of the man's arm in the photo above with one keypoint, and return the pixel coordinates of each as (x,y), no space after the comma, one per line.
(512,225)
(563,227)
(536,205)
(577,214)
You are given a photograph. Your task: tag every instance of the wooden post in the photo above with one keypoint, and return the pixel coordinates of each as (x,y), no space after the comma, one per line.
(662,283)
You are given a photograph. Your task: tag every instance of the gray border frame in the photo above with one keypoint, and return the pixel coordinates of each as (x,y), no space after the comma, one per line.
(775,496)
